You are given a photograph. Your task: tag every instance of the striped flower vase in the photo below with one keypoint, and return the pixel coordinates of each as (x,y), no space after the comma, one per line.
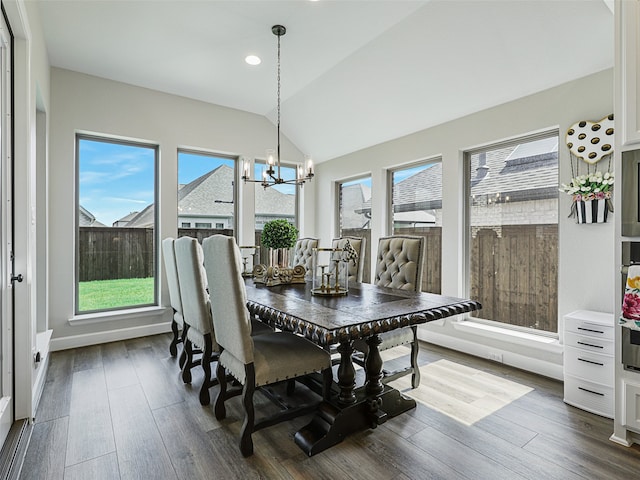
(592,211)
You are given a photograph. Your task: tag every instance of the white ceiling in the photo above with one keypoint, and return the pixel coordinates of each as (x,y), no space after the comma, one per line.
(354,72)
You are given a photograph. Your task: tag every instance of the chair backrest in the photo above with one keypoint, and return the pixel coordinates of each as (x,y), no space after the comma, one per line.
(171,271)
(222,262)
(355,267)
(303,252)
(196,307)
(399,262)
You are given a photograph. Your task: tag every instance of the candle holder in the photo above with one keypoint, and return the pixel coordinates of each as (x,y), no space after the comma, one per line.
(249,253)
(330,277)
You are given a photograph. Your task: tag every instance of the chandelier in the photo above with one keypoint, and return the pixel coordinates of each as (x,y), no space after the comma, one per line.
(271,176)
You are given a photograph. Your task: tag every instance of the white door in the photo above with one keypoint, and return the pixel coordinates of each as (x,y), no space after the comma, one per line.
(6,235)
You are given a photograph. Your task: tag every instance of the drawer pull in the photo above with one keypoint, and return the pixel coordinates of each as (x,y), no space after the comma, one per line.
(589,345)
(590,330)
(591,391)
(591,361)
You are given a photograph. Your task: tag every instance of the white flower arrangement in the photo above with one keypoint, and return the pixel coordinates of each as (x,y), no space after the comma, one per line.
(593,186)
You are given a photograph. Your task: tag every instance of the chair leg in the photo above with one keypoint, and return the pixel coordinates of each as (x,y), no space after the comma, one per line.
(205,399)
(186,368)
(415,376)
(183,355)
(173,346)
(246,444)
(219,408)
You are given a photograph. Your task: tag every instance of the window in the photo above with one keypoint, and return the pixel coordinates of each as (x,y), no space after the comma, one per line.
(513,231)
(416,209)
(116,224)
(206,194)
(277,201)
(354,216)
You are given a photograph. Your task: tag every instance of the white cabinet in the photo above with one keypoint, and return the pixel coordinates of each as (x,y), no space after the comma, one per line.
(632,406)
(589,361)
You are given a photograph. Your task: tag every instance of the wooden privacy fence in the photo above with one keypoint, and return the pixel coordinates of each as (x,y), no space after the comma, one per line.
(513,267)
(110,253)
(515,275)
(107,253)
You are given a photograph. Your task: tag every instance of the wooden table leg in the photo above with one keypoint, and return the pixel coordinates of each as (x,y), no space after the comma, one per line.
(373,366)
(346,374)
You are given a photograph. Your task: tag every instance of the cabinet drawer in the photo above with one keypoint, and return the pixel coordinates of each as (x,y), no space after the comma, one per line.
(589,344)
(589,366)
(593,324)
(588,396)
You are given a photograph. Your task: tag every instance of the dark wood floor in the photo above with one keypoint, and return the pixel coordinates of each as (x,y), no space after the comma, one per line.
(120,410)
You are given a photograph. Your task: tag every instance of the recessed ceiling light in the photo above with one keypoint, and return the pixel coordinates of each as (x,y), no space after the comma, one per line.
(253,60)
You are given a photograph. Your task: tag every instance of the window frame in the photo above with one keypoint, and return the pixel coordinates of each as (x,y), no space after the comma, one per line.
(389,185)
(104,138)
(338,204)
(236,195)
(466,206)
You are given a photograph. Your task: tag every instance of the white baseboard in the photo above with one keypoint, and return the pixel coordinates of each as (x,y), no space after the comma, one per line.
(621,441)
(85,340)
(530,364)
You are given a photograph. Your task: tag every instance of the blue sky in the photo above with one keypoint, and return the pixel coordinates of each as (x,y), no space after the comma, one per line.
(115,179)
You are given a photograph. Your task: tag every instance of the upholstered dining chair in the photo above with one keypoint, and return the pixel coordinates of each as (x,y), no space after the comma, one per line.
(254,361)
(171,272)
(196,309)
(398,265)
(303,252)
(355,267)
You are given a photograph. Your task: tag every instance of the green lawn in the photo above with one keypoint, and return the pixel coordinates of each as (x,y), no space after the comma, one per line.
(107,294)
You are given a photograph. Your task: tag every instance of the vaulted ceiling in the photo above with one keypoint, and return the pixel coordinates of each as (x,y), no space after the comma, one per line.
(354,72)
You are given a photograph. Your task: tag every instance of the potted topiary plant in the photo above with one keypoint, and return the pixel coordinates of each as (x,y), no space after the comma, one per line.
(279,236)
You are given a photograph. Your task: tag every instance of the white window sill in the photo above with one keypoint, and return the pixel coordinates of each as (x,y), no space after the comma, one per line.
(516,337)
(132,313)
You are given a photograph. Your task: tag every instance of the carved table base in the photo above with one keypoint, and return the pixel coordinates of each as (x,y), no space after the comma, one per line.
(353,410)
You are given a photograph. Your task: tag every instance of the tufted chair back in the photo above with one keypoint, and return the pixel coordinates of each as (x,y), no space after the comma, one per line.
(356,268)
(303,252)
(399,262)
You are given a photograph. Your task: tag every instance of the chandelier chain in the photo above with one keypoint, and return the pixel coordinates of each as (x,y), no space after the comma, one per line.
(279,105)
(272,175)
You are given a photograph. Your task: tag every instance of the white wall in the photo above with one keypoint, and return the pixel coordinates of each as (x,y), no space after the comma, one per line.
(81,103)
(585,251)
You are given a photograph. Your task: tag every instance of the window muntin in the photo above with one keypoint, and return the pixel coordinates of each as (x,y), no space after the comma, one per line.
(206,194)
(354,214)
(416,209)
(116,224)
(513,232)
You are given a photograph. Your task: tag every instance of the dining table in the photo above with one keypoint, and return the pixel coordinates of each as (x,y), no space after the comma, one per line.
(364,312)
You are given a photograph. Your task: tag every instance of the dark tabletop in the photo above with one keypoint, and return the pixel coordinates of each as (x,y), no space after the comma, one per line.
(366,310)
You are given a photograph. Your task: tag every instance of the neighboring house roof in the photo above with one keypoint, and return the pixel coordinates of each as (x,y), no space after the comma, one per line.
(354,197)
(87,219)
(143,219)
(523,172)
(199,197)
(422,191)
(126,219)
